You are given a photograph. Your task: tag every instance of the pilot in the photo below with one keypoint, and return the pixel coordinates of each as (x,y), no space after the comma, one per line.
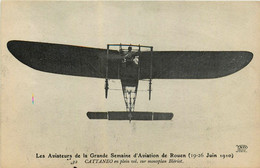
(129,53)
(130,56)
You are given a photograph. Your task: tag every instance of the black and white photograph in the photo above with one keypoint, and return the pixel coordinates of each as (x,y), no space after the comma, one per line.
(129,84)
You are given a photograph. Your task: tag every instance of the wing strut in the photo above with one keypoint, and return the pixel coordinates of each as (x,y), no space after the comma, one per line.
(106,82)
(151,74)
(150,88)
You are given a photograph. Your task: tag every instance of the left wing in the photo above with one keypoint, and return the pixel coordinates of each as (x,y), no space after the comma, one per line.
(66,59)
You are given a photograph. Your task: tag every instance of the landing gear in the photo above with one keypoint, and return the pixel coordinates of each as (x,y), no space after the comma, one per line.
(106,88)
(150,89)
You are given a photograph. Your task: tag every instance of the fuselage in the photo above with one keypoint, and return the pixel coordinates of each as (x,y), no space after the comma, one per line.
(129,75)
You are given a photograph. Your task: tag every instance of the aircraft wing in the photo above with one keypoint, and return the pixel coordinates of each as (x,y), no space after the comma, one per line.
(192,64)
(91,62)
(66,59)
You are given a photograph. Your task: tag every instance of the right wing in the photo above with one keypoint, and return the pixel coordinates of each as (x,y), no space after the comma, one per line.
(192,64)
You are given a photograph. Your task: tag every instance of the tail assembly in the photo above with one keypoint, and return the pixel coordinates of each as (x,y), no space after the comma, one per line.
(122,115)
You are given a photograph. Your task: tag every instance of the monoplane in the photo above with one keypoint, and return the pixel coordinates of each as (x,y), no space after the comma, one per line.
(129,63)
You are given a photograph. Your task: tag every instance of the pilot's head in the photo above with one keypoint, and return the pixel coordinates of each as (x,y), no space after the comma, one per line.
(129,48)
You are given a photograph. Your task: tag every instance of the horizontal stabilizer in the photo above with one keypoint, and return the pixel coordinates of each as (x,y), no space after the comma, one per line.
(120,115)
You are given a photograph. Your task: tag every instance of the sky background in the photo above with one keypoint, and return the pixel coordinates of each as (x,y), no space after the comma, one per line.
(211,115)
